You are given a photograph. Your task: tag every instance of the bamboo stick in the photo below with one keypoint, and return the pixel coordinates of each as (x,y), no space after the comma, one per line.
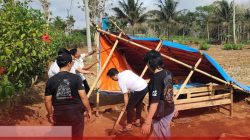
(172,59)
(158,48)
(104,66)
(97,103)
(187,79)
(116,26)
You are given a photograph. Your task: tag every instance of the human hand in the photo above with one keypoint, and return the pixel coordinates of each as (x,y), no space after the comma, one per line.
(145,129)
(91,117)
(50,118)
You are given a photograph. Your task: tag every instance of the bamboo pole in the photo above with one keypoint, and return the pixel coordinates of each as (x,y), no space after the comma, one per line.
(97,103)
(116,26)
(158,48)
(172,59)
(187,79)
(104,66)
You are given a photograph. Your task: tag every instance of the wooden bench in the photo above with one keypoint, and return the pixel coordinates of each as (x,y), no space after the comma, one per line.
(205,96)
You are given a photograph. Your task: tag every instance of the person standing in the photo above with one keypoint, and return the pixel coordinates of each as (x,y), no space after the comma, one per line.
(79,68)
(54,69)
(129,82)
(161,103)
(65,93)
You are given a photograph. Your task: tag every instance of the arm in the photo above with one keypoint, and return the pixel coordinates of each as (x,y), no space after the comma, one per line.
(48,105)
(125,97)
(90,66)
(90,53)
(84,100)
(84,71)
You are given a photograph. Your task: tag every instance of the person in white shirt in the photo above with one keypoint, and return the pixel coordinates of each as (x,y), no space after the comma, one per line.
(79,68)
(129,82)
(54,68)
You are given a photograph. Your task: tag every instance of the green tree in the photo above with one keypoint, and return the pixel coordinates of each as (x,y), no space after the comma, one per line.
(204,16)
(167,13)
(131,12)
(224,12)
(59,23)
(70,21)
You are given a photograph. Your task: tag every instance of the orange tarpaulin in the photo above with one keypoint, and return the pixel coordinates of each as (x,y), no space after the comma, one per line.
(116,61)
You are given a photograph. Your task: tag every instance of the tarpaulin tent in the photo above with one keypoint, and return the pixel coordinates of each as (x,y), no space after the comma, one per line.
(126,52)
(128,56)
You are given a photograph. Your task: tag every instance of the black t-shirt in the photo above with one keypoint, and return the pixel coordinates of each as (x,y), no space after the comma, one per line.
(64,88)
(161,83)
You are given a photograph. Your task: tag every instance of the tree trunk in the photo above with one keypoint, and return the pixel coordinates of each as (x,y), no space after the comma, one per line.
(168,32)
(234,24)
(88,25)
(133,30)
(183,32)
(208,35)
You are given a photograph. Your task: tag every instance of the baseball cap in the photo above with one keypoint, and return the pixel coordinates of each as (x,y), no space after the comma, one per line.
(63,59)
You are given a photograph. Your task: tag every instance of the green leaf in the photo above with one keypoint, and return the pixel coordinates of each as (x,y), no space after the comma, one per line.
(22,36)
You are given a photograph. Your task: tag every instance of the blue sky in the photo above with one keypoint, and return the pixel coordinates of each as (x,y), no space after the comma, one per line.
(60,7)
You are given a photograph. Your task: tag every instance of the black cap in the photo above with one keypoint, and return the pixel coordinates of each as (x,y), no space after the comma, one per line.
(63,59)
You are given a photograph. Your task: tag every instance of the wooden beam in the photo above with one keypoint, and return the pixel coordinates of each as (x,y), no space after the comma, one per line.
(97,103)
(202,89)
(203,104)
(104,66)
(170,58)
(199,99)
(187,79)
(158,48)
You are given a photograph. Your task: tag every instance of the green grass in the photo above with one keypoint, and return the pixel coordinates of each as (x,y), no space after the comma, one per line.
(204,46)
(233,46)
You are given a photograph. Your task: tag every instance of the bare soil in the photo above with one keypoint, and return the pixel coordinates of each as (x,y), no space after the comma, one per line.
(29,109)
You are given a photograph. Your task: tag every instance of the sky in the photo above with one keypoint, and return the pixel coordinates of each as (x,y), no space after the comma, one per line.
(62,7)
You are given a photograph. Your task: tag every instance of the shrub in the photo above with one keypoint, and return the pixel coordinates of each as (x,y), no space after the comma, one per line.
(22,50)
(204,46)
(233,46)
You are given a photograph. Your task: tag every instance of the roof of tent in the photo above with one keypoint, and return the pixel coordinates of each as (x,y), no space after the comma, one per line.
(128,56)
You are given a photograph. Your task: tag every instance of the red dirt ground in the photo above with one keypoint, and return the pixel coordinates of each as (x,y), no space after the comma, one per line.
(205,122)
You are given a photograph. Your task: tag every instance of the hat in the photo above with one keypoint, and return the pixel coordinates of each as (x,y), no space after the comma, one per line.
(63,59)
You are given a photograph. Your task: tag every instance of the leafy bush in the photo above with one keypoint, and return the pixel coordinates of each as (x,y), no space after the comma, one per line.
(233,46)
(22,50)
(204,46)
(7,89)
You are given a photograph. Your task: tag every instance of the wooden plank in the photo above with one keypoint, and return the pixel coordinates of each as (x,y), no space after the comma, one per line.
(200,94)
(199,99)
(231,105)
(202,89)
(187,79)
(203,104)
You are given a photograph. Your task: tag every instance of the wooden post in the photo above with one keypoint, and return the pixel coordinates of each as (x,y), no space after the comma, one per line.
(158,48)
(172,59)
(104,66)
(231,105)
(97,103)
(187,79)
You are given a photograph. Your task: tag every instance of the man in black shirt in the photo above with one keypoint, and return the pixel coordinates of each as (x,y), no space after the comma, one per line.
(161,103)
(65,92)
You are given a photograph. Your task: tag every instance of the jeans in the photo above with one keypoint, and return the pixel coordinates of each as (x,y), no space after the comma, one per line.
(72,118)
(135,101)
(161,128)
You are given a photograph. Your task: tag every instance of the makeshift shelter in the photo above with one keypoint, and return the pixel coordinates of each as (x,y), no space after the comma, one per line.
(199,80)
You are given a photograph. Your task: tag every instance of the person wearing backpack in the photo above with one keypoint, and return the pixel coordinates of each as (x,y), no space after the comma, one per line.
(161,103)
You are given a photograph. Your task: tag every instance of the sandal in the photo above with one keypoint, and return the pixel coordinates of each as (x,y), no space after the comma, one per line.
(137,124)
(125,129)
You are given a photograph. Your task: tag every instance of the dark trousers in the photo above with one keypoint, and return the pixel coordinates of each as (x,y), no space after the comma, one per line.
(86,86)
(135,101)
(72,118)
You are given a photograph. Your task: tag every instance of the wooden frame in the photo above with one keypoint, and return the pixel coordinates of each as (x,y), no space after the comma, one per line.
(205,96)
